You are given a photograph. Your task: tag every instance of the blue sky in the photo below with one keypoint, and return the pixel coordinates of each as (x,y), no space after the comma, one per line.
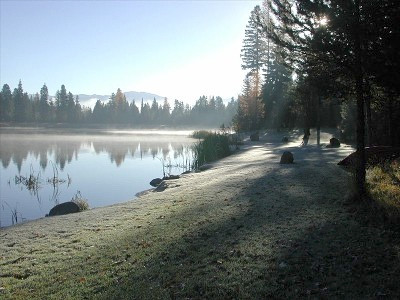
(177,49)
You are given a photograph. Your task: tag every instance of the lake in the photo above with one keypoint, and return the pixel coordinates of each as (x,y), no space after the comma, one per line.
(104,166)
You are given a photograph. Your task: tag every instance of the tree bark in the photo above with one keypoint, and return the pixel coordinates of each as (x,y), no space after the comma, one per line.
(390,120)
(318,120)
(369,118)
(358,74)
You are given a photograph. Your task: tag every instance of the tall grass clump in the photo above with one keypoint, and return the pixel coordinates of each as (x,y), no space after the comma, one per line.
(214,146)
(200,134)
(383,185)
(82,203)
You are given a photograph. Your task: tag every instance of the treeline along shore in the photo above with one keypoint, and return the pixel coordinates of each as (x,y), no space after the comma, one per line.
(19,107)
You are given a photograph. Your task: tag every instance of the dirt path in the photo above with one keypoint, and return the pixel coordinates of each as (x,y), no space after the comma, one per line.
(246,228)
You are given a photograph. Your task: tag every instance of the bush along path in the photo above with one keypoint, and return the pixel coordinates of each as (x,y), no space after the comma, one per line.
(249,227)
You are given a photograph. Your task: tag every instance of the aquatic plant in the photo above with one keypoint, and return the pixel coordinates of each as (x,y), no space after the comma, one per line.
(80,201)
(31,182)
(55,180)
(214,146)
(200,134)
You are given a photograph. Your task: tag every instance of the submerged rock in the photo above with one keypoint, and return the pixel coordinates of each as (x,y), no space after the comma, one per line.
(287,158)
(64,208)
(285,139)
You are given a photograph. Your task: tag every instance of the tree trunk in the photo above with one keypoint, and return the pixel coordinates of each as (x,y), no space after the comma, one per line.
(369,119)
(390,120)
(319,120)
(358,74)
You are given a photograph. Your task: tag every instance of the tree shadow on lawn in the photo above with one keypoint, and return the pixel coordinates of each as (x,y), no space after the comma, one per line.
(269,241)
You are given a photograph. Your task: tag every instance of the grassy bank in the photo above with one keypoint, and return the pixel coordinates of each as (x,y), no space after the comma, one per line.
(383,184)
(246,228)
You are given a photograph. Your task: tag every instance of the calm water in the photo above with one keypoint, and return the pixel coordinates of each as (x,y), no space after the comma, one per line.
(105,167)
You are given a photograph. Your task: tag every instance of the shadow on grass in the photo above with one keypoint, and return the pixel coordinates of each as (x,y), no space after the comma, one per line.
(283,241)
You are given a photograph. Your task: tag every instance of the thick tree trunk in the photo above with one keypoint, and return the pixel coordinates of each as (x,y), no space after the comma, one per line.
(358,74)
(369,118)
(318,119)
(390,120)
(360,168)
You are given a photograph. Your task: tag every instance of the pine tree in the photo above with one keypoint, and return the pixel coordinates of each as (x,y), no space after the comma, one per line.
(6,104)
(166,112)
(277,81)
(134,112)
(250,108)
(154,111)
(44,104)
(19,104)
(254,50)
(61,104)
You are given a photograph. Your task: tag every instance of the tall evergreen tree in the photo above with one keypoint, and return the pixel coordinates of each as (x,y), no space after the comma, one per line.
(19,103)
(6,104)
(254,50)
(277,81)
(165,118)
(61,104)
(44,104)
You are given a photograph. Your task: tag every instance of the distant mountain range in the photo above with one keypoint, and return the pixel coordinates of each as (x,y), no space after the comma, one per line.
(90,100)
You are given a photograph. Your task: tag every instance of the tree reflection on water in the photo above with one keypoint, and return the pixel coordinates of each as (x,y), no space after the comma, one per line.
(17,147)
(107,168)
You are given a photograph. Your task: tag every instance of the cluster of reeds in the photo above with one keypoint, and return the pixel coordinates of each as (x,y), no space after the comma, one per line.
(55,180)
(214,146)
(15,215)
(31,182)
(80,201)
(185,153)
(200,134)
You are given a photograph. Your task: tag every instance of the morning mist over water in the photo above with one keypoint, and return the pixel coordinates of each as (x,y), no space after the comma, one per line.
(106,167)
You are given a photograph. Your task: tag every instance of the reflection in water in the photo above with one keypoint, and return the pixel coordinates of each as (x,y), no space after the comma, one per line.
(64,149)
(106,168)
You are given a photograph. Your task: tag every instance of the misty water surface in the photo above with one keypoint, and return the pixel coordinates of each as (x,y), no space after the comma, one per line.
(106,167)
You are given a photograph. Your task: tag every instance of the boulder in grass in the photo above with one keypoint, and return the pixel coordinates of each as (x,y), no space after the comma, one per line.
(64,209)
(155,182)
(255,137)
(333,143)
(287,158)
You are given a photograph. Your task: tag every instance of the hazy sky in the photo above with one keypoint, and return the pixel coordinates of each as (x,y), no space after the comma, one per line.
(177,49)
